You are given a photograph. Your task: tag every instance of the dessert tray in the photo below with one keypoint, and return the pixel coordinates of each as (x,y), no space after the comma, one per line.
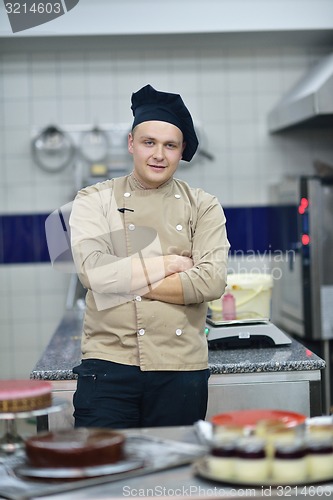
(201,469)
(65,473)
(249,418)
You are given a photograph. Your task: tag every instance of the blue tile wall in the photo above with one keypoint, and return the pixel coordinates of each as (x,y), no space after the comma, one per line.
(257,229)
(262,229)
(22,239)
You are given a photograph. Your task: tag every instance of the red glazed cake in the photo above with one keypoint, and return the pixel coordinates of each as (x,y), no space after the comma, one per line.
(24,395)
(80,447)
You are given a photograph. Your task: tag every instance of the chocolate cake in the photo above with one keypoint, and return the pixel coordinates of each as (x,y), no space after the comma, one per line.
(80,447)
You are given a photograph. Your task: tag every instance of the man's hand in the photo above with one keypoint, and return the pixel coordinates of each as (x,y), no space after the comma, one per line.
(161,275)
(176,264)
(170,288)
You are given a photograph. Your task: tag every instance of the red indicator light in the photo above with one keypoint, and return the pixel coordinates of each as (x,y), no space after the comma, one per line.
(305,239)
(303,205)
(304,202)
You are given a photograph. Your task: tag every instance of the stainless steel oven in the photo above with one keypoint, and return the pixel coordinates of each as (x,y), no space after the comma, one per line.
(302,302)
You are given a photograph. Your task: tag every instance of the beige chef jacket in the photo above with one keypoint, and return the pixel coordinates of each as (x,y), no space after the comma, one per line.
(114,221)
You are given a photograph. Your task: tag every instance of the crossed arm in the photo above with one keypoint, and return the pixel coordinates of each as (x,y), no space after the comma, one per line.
(168,289)
(172,278)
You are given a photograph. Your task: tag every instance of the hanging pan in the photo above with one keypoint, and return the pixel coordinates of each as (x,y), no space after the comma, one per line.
(94,145)
(53,149)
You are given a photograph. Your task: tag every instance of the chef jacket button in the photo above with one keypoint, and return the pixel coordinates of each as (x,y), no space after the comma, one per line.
(131,227)
(179,331)
(127,194)
(138,298)
(179,227)
(177,196)
(141,331)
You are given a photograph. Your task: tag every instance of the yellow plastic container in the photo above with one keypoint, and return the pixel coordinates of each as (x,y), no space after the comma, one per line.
(252,292)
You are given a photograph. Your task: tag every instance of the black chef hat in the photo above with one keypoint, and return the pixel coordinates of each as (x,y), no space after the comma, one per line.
(149,104)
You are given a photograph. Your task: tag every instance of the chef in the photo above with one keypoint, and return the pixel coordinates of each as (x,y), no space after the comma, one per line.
(151,252)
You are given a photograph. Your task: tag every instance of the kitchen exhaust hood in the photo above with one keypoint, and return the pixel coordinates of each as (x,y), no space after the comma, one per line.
(309,103)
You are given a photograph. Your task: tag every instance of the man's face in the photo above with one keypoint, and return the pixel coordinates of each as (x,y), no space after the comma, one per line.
(157,148)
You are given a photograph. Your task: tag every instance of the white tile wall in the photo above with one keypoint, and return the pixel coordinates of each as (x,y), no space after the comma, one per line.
(229,91)
(32,301)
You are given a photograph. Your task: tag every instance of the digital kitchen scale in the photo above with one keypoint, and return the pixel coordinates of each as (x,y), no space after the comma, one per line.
(242,333)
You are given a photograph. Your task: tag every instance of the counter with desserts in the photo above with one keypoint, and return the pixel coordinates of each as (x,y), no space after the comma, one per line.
(252,453)
(286,377)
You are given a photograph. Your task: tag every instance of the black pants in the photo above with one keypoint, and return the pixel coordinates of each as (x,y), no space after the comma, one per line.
(120,396)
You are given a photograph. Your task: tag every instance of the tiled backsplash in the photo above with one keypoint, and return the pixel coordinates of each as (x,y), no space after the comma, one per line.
(250,229)
(229,91)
